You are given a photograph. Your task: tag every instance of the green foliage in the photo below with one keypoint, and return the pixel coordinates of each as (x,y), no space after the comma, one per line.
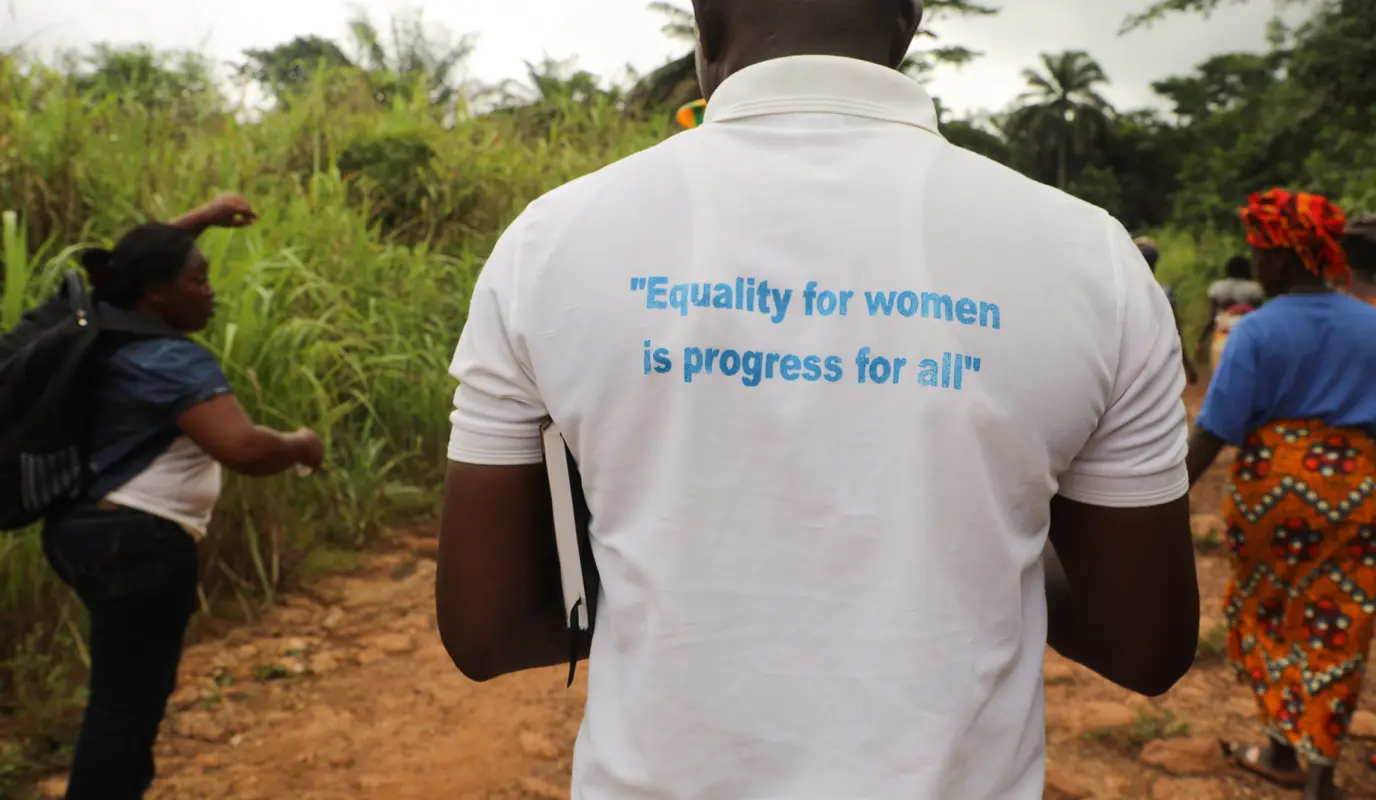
(288,67)
(1190,261)
(143,76)
(1300,115)
(1146,728)
(1163,8)
(340,309)
(1061,117)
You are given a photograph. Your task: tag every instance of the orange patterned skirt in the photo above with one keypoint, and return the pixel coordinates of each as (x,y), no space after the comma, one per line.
(1302,533)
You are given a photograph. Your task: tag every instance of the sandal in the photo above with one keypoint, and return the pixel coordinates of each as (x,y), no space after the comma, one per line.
(1251,758)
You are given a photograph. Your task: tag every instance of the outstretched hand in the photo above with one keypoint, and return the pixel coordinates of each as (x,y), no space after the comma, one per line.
(230,211)
(226,211)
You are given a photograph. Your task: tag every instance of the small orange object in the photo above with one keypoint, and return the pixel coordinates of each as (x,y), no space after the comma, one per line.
(690,116)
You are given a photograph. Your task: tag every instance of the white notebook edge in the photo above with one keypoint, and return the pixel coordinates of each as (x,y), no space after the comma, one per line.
(565,525)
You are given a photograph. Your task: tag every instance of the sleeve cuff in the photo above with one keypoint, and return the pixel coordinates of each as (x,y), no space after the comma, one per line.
(1140,491)
(493,450)
(202,395)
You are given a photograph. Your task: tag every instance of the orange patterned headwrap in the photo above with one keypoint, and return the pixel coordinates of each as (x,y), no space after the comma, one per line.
(1306,223)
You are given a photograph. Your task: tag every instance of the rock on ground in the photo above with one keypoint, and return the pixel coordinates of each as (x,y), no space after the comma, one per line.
(1061,785)
(1194,756)
(1081,718)
(1364,725)
(1188,789)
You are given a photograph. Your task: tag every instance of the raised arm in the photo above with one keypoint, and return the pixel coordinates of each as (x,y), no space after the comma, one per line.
(1126,604)
(225,211)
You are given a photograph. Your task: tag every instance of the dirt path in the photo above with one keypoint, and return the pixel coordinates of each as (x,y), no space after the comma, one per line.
(347,693)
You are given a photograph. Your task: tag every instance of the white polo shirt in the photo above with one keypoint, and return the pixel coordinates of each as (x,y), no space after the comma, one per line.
(822,372)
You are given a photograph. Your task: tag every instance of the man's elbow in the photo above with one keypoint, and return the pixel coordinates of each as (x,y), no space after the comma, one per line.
(1156,672)
(1159,679)
(472,655)
(468,637)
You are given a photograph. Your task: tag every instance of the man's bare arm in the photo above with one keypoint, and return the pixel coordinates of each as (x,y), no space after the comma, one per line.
(1127,602)
(497,591)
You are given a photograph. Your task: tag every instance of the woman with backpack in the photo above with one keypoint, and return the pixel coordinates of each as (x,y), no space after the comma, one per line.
(163,422)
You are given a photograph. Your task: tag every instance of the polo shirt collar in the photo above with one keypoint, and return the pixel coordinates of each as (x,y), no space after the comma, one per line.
(826,85)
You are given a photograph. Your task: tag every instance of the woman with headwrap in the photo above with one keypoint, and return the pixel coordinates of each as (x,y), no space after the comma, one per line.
(1296,392)
(162,422)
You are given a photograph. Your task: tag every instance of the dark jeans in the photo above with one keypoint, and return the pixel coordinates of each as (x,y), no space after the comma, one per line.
(137,576)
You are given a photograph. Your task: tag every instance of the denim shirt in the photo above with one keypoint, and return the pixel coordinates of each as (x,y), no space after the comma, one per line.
(141,390)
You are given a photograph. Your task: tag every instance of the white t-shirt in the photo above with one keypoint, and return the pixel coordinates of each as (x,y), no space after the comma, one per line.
(1237,291)
(182,485)
(822,373)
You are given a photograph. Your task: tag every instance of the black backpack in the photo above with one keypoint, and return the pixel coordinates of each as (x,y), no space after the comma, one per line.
(45,369)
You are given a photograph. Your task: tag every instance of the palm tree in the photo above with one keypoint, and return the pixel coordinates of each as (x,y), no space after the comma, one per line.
(921,62)
(419,58)
(675,83)
(679,24)
(1062,111)
(550,82)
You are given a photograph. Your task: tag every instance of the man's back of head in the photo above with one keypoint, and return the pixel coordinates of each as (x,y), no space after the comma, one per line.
(735,34)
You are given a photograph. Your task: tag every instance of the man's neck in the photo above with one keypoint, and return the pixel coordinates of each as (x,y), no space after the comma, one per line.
(772,49)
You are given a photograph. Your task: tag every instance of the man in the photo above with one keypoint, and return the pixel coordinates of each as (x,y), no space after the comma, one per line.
(822,441)
(1152,254)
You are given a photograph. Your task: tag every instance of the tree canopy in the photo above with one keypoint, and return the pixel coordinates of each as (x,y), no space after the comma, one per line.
(1300,112)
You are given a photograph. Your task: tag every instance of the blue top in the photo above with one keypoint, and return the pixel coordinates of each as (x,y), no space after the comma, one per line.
(1307,356)
(143,387)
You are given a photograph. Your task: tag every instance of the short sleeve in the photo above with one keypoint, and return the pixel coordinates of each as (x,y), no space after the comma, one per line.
(1230,409)
(173,375)
(1136,456)
(497,408)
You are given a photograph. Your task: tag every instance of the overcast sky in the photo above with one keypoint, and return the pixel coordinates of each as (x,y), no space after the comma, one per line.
(608,35)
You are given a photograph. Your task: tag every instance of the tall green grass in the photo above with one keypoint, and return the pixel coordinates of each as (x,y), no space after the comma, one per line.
(339,310)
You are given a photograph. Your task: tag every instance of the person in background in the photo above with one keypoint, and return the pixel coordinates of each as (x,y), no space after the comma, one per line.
(1296,392)
(163,421)
(1229,299)
(821,562)
(1152,254)
(1359,242)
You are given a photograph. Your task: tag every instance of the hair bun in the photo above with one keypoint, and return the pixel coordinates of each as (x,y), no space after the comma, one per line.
(96,261)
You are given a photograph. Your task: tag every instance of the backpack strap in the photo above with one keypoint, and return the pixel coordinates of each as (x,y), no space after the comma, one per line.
(78,299)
